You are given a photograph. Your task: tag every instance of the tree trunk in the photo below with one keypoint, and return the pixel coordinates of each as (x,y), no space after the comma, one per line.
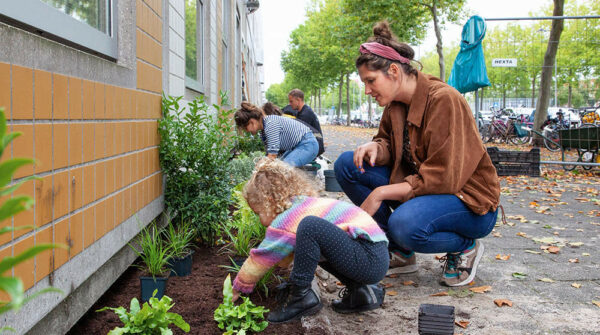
(319,111)
(340,95)
(348,98)
(481,99)
(533,91)
(504,97)
(438,45)
(541,110)
(570,88)
(370,109)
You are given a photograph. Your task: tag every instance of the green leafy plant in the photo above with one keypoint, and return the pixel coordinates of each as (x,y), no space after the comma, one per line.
(154,252)
(179,239)
(248,143)
(244,230)
(242,318)
(263,284)
(243,165)
(196,146)
(153,318)
(13,286)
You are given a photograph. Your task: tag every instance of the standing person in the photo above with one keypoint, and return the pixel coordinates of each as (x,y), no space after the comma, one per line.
(426,163)
(304,112)
(295,140)
(339,236)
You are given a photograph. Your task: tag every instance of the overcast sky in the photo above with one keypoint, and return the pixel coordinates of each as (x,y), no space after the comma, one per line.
(280,17)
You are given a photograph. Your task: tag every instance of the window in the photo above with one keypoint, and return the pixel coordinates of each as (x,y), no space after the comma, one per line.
(226,13)
(194,45)
(87,24)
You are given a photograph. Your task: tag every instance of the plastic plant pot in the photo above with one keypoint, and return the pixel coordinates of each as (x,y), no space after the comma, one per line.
(181,267)
(149,284)
(331,184)
(436,319)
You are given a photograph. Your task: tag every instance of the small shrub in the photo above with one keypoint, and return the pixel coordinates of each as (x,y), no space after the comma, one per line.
(151,319)
(242,318)
(179,239)
(195,150)
(243,165)
(248,143)
(154,252)
(244,230)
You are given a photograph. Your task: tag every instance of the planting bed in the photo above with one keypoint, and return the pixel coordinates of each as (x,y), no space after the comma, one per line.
(195,296)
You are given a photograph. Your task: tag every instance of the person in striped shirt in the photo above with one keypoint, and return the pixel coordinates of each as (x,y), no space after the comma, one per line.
(279,134)
(339,236)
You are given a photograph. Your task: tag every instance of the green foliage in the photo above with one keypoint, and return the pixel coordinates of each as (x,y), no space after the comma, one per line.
(248,143)
(239,319)
(243,165)
(13,286)
(191,50)
(154,252)
(196,145)
(179,239)
(153,318)
(244,230)
(263,284)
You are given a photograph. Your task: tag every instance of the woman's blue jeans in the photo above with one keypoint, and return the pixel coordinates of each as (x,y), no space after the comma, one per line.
(425,224)
(303,153)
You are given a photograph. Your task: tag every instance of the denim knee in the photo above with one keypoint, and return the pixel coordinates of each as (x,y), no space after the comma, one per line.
(342,165)
(406,230)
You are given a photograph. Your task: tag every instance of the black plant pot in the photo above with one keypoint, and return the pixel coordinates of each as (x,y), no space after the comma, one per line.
(239,260)
(181,267)
(331,183)
(149,284)
(436,319)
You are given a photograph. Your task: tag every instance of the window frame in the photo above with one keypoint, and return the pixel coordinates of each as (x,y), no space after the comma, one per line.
(50,22)
(197,84)
(226,31)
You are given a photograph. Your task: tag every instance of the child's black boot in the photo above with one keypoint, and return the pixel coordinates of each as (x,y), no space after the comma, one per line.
(295,302)
(359,298)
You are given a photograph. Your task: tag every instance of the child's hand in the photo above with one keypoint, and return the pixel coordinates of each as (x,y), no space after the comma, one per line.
(236,295)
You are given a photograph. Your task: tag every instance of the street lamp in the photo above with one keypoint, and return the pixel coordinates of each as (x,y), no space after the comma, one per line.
(542,30)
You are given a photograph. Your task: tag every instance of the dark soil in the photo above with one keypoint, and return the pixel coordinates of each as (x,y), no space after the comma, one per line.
(195,296)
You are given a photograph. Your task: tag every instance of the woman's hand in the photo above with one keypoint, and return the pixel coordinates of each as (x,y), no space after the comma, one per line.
(236,295)
(368,151)
(398,192)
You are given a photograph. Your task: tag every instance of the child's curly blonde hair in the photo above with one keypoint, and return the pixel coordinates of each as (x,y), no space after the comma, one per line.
(273,184)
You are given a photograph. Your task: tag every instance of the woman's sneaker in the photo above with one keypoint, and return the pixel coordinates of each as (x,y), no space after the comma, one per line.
(402,263)
(460,267)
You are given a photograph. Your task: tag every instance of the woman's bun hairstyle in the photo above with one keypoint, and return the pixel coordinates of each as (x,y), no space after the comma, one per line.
(246,112)
(382,34)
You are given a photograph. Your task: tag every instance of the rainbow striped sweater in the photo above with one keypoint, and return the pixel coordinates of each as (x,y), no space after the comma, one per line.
(280,239)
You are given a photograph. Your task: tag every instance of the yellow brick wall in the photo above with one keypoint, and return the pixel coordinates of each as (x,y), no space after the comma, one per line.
(96,147)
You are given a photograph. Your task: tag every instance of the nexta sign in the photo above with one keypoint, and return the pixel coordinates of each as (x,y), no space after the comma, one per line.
(504,62)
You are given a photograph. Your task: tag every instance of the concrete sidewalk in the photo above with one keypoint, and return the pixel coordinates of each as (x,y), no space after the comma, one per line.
(551,293)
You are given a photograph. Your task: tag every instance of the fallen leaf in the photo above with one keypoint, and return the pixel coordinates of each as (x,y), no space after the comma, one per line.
(576,285)
(502,257)
(410,282)
(393,275)
(438,257)
(480,289)
(522,234)
(462,324)
(502,302)
(546,280)
(597,303)
(338,283)
(553,250)
(574,260)
(391,293)
(533,252)
(439,294)
(556,233)
(575,244)
(585,254)
(387,285)
(547,226)
(534,204)
(497,234)
(579,229)
(519,275)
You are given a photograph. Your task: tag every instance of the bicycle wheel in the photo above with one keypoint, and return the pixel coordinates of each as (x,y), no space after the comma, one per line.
(519,140)
(551,142)
(486,133)
(567,167)
(587,157)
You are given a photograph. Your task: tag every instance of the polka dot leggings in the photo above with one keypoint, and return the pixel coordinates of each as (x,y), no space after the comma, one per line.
(352,261)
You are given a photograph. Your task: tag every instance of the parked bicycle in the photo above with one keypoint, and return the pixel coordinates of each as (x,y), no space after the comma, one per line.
(509,131)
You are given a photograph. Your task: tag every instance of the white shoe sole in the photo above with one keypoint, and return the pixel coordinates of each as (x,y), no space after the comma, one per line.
(403,269)
(474,268)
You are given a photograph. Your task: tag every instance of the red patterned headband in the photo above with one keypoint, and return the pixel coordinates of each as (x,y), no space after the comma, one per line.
(382,51)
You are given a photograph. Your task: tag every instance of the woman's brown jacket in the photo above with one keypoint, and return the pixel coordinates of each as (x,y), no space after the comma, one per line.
(444,144)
